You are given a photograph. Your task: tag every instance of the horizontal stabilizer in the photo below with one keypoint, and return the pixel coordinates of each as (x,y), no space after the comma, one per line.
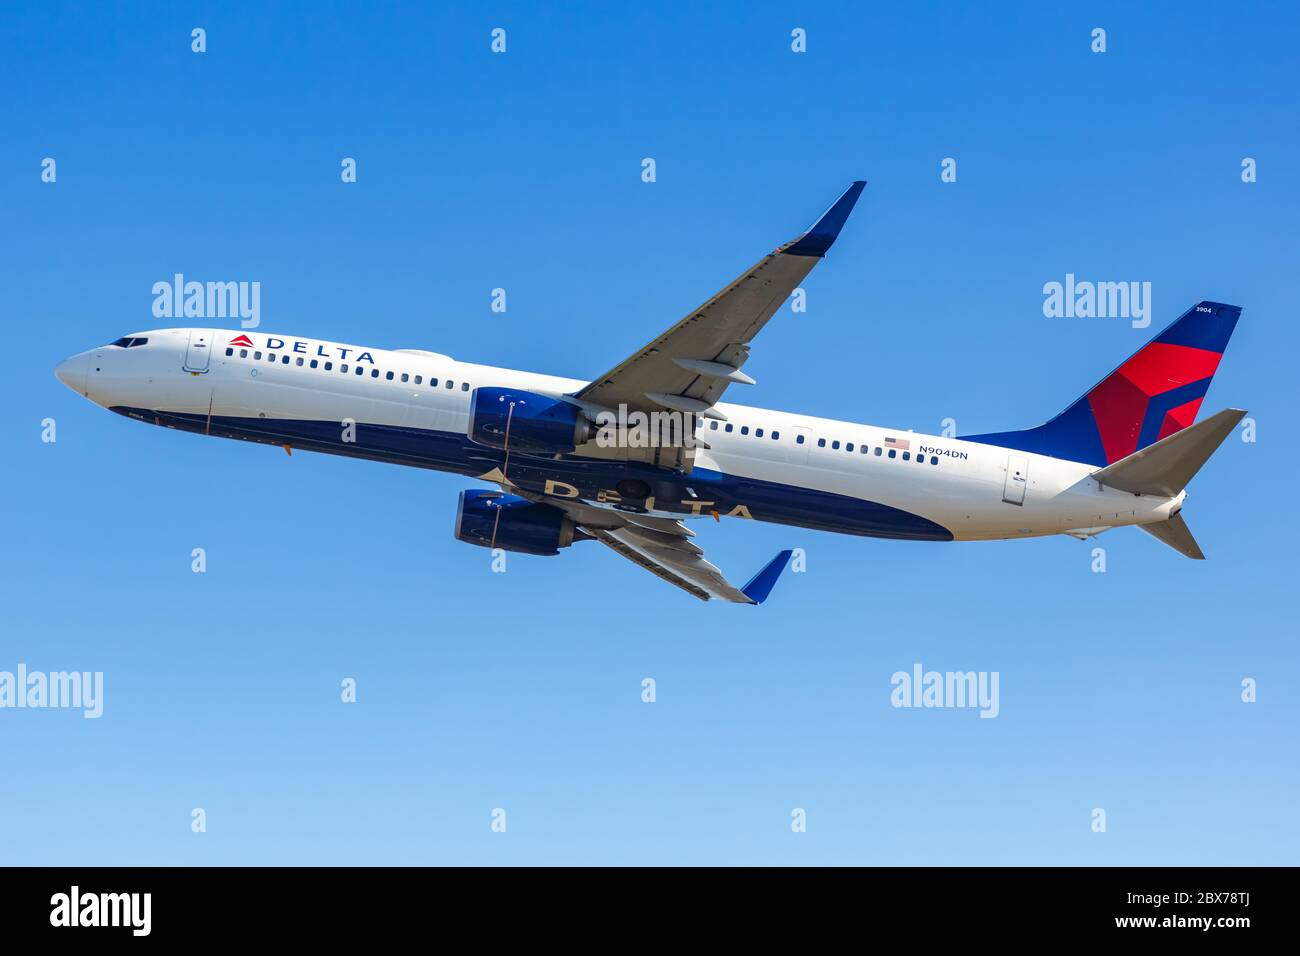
(1177,535)
(1166,467)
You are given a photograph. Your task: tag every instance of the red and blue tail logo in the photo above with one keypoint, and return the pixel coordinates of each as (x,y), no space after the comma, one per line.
(1154,394)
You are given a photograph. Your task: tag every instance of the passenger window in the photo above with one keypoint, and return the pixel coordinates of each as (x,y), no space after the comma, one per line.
(389,376)
(419,379)
(758,433)
(821,443)
(798,440)
(877,451)
(299,360)
(893,453)
(433,383)
(907,456)
(744,429)
(849,447)
(344,368)
(713,423)
(776,436)
(450,383)
(405,377)
(329,366)
(934,459)
(835,444)
(359,370)
(313,363)
(258,356)
(374,373)
(284,360)
(729,426)
(464,386)
(229,352)
(271,356)
(243,353)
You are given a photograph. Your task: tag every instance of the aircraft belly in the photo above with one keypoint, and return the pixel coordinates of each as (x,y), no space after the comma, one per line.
(702,493)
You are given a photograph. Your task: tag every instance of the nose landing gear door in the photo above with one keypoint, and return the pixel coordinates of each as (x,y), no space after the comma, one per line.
(199,351)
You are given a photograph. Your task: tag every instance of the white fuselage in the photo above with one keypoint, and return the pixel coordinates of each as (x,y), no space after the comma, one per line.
(974,491)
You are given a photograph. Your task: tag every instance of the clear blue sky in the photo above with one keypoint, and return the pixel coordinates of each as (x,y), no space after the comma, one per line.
(478,690)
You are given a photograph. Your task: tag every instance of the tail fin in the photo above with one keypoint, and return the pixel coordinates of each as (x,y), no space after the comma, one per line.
(1177,535)
(1166,467)
(1153,395)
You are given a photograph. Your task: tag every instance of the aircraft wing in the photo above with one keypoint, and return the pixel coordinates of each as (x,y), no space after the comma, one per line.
(664,548)
(688,570)
(688,367)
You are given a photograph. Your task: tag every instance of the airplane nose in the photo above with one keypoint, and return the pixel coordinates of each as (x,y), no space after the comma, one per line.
(74,372)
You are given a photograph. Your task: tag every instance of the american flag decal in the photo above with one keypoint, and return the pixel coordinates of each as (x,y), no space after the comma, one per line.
(902,444)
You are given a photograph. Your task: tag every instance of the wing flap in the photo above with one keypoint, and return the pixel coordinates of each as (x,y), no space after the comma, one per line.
(690,572)
(635,555)
(663,547)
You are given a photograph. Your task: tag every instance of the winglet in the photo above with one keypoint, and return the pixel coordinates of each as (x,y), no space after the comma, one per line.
(822,234)
(761,584)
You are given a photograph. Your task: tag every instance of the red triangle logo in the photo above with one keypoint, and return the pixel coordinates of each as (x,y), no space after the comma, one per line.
(241,340)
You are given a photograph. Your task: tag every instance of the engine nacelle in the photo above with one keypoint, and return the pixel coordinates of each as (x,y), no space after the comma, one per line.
(536,423)
(518,524)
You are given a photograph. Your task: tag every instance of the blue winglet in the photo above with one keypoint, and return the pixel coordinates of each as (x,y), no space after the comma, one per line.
(819,238)
(761,584)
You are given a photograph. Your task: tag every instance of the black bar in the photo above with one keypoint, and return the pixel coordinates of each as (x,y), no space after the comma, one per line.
(330,905)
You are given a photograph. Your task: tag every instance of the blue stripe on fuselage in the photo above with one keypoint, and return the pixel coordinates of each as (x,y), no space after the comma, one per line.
(454,452)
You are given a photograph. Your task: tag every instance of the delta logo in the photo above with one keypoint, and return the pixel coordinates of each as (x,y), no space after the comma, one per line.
(300,347)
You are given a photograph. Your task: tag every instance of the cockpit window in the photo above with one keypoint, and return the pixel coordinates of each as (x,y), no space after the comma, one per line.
(127,343)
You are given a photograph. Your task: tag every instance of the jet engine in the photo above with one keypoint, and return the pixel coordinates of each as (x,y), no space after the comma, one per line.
(495,519)
(528,421)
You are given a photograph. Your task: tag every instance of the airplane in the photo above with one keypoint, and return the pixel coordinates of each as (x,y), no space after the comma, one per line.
(635,456)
